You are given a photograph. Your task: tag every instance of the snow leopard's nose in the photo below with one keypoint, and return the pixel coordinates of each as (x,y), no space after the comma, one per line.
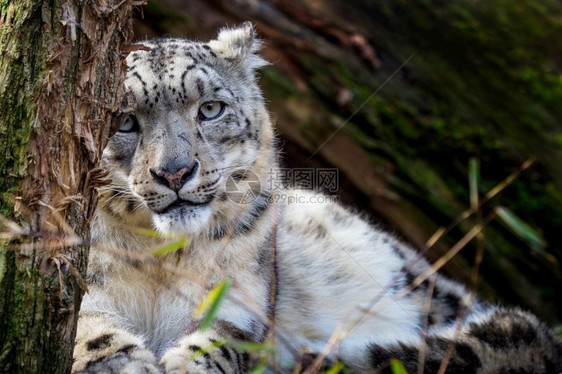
(175,180)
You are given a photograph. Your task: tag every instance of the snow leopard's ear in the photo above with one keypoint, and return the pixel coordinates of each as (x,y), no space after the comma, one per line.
(240,45)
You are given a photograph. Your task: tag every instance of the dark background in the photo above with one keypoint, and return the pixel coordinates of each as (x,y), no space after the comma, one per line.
(482,79)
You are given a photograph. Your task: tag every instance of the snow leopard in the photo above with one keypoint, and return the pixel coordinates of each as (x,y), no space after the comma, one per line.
(190,158)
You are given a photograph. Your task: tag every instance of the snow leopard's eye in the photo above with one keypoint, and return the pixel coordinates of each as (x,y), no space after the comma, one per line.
(131,124)
(211,110)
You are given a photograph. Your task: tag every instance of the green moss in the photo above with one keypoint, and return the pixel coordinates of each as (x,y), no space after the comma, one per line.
(19,75)
(2,261)
(17,288)
(27,342)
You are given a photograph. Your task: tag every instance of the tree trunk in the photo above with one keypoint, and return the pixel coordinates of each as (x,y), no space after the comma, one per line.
(61,73)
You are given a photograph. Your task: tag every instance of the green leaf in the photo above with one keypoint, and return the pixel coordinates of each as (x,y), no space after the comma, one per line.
(171,247)
(336,368)
(152,233)
(207,349)
(259,369)
(558,331)
(473,178)
(212,302)
(521,229)
(251,347)
(397,367)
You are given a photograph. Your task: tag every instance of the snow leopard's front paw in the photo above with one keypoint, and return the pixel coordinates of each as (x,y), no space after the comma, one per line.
(99,355)
(127,360)
(201,353)
(101,347)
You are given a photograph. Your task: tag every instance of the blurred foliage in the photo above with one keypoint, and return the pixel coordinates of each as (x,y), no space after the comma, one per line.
(484,83)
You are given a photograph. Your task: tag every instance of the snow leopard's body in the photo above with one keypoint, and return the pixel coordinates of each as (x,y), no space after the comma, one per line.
(305,271)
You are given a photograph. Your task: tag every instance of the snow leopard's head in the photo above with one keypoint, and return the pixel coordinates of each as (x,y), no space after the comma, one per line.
(197,125)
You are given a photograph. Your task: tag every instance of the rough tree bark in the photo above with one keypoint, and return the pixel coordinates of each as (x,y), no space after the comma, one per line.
(61,72)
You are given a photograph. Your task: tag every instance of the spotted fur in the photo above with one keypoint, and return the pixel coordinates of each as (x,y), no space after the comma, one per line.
(198,125)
